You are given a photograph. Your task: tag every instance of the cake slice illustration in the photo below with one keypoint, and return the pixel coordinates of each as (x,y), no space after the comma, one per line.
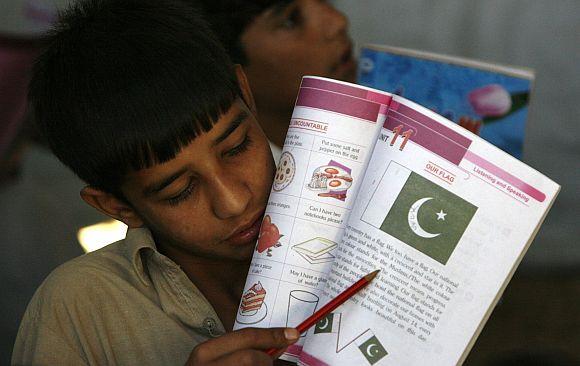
(253,308)
(253,299)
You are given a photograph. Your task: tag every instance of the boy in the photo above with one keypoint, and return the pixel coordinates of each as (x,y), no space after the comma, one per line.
(140,101)
(277,42)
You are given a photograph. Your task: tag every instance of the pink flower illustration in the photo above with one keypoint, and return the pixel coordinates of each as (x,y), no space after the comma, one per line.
(490,101)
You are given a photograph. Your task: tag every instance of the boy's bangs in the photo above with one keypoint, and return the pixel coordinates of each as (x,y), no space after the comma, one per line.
(161,139)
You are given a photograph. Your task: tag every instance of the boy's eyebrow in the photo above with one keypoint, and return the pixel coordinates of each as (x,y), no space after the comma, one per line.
(278,8)
(158,186)
(234,124)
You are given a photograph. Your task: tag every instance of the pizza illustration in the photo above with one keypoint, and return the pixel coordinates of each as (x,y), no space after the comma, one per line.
(285,171)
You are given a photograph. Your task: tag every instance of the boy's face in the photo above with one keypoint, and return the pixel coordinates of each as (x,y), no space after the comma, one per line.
(284,43)
(209,200)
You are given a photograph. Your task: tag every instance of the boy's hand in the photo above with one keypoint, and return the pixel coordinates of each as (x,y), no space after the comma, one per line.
(245,347)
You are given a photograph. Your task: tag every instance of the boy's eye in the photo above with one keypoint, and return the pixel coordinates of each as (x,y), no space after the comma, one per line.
(183,195)
(186,193)
(242,147)
(293,19)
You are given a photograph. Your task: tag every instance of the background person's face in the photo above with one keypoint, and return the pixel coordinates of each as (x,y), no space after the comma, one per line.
(209,200)
(306,37)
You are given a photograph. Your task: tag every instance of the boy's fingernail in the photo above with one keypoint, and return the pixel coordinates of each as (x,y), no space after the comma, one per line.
(291,334)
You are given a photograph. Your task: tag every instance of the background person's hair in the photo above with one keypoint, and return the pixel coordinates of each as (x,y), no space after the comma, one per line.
(126,84)
(229,19)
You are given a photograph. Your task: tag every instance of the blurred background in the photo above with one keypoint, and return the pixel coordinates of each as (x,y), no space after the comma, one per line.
(538,319)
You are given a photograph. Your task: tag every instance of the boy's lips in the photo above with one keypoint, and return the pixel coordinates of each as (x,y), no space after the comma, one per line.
(246,233)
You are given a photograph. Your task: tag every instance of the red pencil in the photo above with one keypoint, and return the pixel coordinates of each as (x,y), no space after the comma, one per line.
(332,304)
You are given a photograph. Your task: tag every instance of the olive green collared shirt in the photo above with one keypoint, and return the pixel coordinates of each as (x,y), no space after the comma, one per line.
(125,304)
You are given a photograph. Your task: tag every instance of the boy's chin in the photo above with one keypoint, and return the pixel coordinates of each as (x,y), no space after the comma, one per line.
(243,254)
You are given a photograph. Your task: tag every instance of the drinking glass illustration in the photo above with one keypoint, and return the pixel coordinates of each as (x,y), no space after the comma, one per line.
(301,304)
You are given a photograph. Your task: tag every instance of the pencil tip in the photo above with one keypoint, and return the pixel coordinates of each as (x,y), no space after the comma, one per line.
(372,275)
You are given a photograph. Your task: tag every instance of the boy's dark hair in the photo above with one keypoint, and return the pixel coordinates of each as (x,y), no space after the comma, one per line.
(229,19)
(126,84)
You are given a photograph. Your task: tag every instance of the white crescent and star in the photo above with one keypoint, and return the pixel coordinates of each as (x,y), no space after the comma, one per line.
(370,350)
(325,324)
(413,217)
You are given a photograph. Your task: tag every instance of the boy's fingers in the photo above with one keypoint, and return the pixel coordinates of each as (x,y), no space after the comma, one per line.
(248,338)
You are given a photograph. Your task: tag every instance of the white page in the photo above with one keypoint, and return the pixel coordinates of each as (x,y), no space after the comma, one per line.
(446,219)
(333,130)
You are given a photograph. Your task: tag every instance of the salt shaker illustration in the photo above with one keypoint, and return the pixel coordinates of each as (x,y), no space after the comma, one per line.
(332,180)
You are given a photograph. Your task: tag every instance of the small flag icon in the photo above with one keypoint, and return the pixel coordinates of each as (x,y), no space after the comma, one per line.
(328,324)
(428,217)
(372,349)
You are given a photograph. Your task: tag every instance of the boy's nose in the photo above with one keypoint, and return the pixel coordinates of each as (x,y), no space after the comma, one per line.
(230,197)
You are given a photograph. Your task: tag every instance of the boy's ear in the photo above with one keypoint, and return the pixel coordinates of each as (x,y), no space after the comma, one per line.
(111,206)
(245,88)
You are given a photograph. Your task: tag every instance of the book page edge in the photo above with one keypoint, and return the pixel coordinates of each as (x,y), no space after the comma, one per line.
(517,71)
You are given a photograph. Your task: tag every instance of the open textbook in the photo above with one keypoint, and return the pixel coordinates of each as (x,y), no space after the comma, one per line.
(490,100)
(369,180)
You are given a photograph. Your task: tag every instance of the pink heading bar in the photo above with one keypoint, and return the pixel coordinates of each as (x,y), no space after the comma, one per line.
(347,89)
(507,177)
(338,103)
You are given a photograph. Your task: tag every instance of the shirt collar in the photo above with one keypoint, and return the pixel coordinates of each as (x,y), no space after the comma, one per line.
(139,240)
(139,245)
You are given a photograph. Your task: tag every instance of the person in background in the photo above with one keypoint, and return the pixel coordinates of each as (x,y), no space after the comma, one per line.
(141,101)
(277,42)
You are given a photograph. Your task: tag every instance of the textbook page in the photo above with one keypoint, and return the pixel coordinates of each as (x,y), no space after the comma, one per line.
(447,217)
(333,130)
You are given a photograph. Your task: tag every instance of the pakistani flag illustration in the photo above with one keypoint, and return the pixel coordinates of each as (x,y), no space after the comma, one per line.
(329,324)
(428,217)
(370,347)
